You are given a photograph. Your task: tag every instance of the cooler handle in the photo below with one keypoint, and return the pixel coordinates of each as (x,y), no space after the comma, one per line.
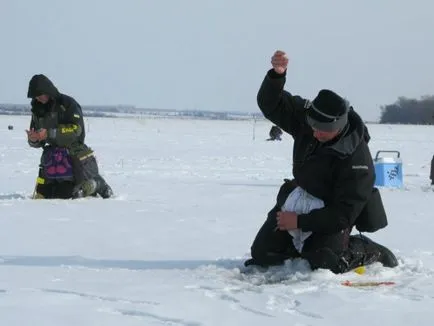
(396,152)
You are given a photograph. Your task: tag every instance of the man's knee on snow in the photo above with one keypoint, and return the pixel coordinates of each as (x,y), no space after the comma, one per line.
(85,189)
(271,246)
(268,258)
(260,248)
(46,189)
(325,258)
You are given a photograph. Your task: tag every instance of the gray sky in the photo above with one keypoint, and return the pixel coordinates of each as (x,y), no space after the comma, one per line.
(213,55)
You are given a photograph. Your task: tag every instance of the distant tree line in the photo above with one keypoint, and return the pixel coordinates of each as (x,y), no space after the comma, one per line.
(409,111)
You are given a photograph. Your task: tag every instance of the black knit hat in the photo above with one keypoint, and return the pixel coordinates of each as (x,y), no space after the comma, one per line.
(328,111)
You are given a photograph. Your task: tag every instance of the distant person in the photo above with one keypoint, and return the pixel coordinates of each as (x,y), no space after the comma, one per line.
(432,171)
(275,133)
(333,187)
(68,167)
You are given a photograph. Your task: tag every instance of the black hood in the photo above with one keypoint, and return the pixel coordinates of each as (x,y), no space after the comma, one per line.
(39,85)
(354,133)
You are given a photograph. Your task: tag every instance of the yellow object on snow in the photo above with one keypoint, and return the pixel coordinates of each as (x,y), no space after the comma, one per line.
(360,270)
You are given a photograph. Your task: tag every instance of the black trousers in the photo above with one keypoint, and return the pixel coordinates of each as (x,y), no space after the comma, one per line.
(53,189)
(272,246)
(84,168)
(339,252)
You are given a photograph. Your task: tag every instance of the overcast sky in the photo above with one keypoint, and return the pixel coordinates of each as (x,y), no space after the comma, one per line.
(213,55)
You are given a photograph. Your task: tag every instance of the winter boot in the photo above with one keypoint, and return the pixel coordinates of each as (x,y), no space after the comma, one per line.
(372,250)
(103,189)
(362,251)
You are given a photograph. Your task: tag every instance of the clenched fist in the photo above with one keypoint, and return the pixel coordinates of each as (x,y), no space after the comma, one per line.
(279,61)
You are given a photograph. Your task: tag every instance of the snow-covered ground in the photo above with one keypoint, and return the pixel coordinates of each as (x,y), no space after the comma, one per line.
(190,197)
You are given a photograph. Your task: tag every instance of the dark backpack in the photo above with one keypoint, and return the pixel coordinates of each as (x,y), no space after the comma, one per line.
(373,216)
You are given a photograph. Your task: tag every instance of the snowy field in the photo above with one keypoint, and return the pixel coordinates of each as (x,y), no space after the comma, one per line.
(190,197)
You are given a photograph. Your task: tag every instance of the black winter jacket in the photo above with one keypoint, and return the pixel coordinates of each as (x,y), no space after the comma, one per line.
(340,172)
(61,116)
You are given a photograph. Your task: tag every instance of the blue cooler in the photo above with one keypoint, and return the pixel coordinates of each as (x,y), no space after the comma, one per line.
(388,170)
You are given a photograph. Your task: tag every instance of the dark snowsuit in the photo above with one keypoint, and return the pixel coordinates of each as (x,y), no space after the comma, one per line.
(275,133)
(431,176)
(63,118)
(340,172)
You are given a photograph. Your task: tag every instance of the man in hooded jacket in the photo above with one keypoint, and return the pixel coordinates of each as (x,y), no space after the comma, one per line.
(331,164)
(431,175)
(57,126)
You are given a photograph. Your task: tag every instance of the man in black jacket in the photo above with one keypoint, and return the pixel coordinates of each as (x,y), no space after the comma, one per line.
(431,176)
(332,162)
(57,126)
